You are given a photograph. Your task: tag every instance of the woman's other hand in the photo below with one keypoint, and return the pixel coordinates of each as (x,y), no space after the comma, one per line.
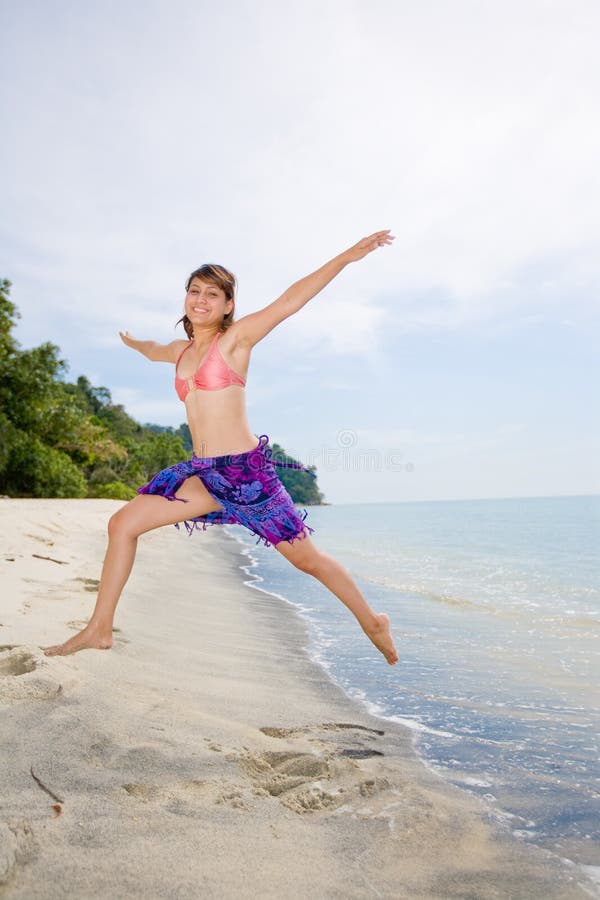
(368,244)
(129,340)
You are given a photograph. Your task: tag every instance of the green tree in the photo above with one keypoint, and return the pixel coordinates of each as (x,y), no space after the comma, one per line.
(301,486)
(36,414)
(8,314)
(32,469)
(98,403)
(159,451)
(183,432)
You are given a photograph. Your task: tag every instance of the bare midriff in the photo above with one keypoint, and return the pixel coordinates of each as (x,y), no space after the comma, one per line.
(218,422)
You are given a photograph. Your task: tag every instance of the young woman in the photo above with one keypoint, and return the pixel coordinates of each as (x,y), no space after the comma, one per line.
(230,477)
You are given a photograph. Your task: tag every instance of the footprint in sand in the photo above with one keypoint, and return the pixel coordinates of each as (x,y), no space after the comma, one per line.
(17,845)
(325,726)
(25,674)
(188,798)
(318,771)
(280,774)
(323,779)
(234,798)
(42,540)
(352,741)
(89,584)
(16,663)
(145,792)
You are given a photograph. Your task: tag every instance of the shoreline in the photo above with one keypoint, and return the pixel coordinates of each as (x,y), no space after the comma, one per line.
(206,754)
(502,817)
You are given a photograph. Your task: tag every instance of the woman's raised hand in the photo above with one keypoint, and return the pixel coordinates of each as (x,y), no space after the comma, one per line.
(366,245)
(128,339)
(150,349)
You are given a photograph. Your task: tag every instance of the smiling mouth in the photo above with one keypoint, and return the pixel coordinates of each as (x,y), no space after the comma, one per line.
(198,309)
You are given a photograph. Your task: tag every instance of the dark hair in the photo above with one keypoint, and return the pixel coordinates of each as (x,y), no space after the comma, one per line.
(224,279)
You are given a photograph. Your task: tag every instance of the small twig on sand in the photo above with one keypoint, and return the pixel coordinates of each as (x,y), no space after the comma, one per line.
(61,562)
(44,788)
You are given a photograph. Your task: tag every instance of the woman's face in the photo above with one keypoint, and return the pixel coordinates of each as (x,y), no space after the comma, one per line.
(206,303)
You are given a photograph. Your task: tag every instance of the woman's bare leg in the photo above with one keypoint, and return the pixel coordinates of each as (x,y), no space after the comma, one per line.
(306,556)
(144,513)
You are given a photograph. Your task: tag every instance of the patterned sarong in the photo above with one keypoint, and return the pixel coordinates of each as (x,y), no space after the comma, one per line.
(246,486)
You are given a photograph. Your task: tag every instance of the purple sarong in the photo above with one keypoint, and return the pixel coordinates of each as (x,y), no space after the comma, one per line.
(248,489)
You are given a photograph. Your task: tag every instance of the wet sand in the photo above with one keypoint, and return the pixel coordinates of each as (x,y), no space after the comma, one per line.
(205,755)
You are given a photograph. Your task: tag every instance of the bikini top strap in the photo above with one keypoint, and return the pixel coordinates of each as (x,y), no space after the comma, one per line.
(181,354)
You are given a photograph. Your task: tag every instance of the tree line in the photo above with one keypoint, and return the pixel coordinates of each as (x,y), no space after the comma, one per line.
(68,439)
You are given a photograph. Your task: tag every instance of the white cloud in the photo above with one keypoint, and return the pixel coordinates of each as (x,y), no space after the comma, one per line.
(146,408)
(474,139)
(341,323)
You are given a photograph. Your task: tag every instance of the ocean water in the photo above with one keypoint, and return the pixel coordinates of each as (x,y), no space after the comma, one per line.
(495,606)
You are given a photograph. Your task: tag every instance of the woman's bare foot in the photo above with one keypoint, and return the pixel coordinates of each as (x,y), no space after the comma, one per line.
(93,637)
(381,636)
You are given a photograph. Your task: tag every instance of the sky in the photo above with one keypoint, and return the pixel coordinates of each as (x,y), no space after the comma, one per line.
(141,140)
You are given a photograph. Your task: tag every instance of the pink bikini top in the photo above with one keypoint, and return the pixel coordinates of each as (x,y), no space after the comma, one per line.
(213,373)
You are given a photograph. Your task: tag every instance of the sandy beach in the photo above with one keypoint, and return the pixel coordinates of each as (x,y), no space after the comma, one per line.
(205,755)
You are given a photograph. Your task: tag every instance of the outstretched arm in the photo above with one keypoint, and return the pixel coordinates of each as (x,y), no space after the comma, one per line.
(252,328)
(152,350)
